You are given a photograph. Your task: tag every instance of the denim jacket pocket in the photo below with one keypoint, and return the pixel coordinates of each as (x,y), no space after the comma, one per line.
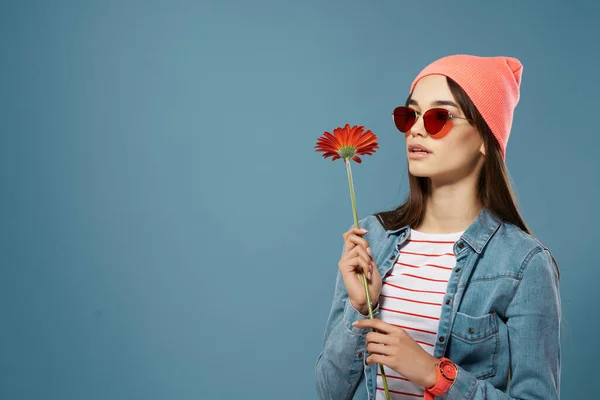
(474,343)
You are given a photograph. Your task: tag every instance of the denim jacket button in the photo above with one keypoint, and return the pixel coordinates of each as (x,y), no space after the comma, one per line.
(461,245)
(360,355)
(471,330)
(392,257)
(442,339)
(447,301)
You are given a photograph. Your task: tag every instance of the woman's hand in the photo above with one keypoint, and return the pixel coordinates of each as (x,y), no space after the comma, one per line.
(396,349)
(356,258)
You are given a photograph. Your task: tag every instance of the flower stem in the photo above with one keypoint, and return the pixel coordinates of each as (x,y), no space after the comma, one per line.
(349,170)
(364,278)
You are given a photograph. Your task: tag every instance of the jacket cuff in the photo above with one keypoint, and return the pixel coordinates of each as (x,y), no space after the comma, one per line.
(464,386)
(351,315)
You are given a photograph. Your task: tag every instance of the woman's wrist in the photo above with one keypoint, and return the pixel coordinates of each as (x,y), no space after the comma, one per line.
(431,378)
(366,309)
(363,309)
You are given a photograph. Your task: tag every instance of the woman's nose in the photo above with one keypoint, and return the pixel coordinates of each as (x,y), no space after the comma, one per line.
(418,128)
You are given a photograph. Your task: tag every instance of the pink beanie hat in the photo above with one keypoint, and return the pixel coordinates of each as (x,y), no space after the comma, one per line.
(492,83)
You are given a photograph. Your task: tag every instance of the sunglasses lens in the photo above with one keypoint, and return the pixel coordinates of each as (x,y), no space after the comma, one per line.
(435,119)
(404,118)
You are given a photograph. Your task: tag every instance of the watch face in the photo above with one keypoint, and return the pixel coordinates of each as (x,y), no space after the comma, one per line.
(448,370)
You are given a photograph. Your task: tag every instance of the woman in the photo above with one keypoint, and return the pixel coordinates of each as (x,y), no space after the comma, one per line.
(466,300)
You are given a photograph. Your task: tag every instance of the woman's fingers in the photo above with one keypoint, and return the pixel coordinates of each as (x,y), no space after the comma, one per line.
(380,338)
(378,325)
(352,238)
(368,262)
(358,251)
(357,240)
(378,348)
(360,265)
(378,359)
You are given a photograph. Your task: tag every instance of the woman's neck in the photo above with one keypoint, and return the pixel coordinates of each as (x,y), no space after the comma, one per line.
(450,208)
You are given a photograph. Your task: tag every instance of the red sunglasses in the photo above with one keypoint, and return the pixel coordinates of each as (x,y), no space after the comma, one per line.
(434,119)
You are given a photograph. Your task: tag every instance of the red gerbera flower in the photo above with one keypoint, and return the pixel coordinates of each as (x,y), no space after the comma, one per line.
(347,142)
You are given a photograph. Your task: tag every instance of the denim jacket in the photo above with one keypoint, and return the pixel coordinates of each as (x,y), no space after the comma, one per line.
(500,318)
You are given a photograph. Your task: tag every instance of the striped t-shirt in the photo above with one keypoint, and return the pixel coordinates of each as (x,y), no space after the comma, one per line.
(411,298)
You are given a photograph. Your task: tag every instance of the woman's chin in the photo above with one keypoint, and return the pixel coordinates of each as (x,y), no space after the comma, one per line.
(419,171)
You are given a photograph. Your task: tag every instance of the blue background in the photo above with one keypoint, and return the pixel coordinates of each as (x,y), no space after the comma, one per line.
(169,232)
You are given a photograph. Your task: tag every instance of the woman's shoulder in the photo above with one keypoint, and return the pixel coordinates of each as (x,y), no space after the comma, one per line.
(516,237)
(519,247)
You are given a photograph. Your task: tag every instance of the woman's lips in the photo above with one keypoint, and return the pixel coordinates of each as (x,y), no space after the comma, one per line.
(417,155)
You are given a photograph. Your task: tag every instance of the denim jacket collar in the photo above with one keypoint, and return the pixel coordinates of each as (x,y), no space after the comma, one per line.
(476,235)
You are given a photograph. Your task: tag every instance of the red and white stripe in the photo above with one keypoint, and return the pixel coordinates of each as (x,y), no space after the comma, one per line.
(411,298)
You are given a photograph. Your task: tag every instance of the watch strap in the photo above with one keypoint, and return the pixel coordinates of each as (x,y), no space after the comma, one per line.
(442,384)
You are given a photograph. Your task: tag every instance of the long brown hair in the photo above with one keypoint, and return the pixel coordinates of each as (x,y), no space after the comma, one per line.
(493,187)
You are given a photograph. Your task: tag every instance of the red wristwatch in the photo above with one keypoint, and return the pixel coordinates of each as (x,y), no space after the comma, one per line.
(446,374)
